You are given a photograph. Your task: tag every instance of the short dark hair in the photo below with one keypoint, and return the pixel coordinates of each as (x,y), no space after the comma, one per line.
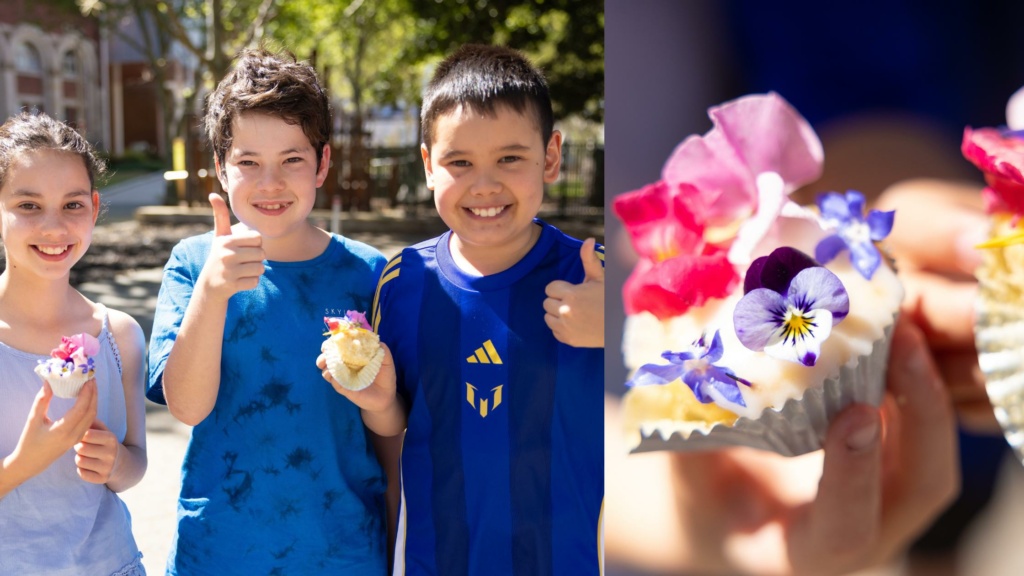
(482,77)
(269,83)
(31,131)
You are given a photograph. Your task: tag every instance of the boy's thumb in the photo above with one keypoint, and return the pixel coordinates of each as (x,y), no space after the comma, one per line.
(221,215)
(593,268)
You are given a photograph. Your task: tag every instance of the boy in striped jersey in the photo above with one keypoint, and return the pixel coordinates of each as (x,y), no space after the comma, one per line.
(497,332)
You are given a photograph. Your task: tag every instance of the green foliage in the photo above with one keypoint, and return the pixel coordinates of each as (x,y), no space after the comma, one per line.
(564,37)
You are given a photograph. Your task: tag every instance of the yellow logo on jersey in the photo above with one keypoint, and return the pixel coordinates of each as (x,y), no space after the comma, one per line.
(486,405)
(485,354)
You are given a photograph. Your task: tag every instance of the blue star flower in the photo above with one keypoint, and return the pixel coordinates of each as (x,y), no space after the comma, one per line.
(697,370)
(789,306)
(845,214)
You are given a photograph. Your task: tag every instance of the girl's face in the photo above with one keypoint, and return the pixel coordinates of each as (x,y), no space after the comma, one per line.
(47,212)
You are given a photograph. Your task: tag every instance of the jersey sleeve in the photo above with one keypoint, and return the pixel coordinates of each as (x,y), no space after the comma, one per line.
(179,278)
(384,289)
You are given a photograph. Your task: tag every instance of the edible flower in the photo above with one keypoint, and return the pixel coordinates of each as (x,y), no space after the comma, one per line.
(696,367)
(677,267)
(76,348)
(684,226)
(845,214)
(789,307)
(1000,155)
(351,318)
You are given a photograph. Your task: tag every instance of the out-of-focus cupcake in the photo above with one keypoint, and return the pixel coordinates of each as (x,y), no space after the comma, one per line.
(751,320)
(353,350)
(999,317)
(70,365)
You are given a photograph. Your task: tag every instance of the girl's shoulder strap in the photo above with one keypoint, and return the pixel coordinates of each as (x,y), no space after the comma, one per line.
(113,341)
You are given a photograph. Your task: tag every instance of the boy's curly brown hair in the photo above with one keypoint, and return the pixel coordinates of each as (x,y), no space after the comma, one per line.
(269,83)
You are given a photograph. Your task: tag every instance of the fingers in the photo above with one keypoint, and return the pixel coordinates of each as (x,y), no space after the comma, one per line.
(41,404)
(937,225)
(593,270)
(927,478)
(843,521)
(96,454)
(78,419)
(221,215)
(942,307)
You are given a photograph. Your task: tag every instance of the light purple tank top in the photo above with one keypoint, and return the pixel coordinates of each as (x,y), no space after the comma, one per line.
(56,523)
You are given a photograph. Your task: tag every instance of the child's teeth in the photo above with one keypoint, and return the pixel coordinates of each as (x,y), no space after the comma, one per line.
(52,250)
(487,212)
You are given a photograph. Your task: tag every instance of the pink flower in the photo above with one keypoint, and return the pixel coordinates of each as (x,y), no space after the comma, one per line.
(357,318)
(1000,156)
(678,268)
(751,135)
(77,348)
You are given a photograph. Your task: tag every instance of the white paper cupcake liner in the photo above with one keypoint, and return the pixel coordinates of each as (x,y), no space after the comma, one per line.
(68,386)
(350,379)
(999,339)
(798,427)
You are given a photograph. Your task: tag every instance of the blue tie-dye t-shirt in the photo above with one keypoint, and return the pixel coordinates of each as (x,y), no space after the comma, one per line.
(280,478)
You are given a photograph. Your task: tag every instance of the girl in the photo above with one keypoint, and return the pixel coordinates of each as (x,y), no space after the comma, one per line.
(63,460)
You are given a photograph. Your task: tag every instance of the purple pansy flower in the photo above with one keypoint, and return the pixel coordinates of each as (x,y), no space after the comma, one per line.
(845,214)
(697,370)
(789,306)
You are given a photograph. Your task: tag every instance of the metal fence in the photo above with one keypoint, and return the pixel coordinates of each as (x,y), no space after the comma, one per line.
(394,179)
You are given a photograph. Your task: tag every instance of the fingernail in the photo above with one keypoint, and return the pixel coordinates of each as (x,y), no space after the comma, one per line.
(863,436)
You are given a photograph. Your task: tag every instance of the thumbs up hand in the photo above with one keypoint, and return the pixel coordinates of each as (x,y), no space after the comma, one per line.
(575,312)
(236,257)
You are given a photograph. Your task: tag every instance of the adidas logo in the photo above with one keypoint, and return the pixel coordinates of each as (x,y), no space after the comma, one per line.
(485,354)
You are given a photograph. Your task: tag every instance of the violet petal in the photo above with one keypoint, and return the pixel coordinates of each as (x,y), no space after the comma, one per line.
(855,201)
(833,207)
(805,348)
(752,281)
(726,386)
(757,317)
(865,259)
(782,265)
(819,289)
(655,374)
(714,353)
(880,223)
(829,248)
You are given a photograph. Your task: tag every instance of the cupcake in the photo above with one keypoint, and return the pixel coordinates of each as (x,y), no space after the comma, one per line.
(999,317)
(70,365)
(751,320)
(352,351)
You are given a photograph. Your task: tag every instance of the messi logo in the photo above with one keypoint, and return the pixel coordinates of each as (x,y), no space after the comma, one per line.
(484,404)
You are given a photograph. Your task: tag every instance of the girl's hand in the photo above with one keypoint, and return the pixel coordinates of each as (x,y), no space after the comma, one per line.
(96,454)
(42,440)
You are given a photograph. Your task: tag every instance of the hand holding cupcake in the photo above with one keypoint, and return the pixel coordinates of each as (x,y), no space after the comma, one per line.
(352,351)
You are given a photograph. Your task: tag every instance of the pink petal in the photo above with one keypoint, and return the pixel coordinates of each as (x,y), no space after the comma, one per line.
(672,287)
(1001,159)
(659,221)
(751,135)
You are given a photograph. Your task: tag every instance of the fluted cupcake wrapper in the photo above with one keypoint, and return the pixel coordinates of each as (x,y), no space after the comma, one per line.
(70,385)
(350,379)
(798,427)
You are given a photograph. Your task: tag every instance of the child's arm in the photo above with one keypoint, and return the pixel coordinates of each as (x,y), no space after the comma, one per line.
(100,458)
(191,378)
(42,440)
(575,312)
(379,404)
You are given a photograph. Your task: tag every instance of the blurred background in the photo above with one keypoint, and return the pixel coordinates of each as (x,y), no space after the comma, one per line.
(889,87)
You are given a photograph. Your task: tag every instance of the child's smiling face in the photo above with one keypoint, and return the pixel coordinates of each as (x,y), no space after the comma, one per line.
(271,174)
(47,212)
(488,174)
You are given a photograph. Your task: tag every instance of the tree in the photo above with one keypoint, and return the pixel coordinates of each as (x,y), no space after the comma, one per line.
(563,37)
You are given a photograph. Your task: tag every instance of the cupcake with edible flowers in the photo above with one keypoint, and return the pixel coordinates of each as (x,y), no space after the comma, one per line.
(751,320)
(352,350)
(999,317)
(70,365)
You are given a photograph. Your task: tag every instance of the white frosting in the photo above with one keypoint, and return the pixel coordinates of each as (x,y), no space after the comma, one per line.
(873,306)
